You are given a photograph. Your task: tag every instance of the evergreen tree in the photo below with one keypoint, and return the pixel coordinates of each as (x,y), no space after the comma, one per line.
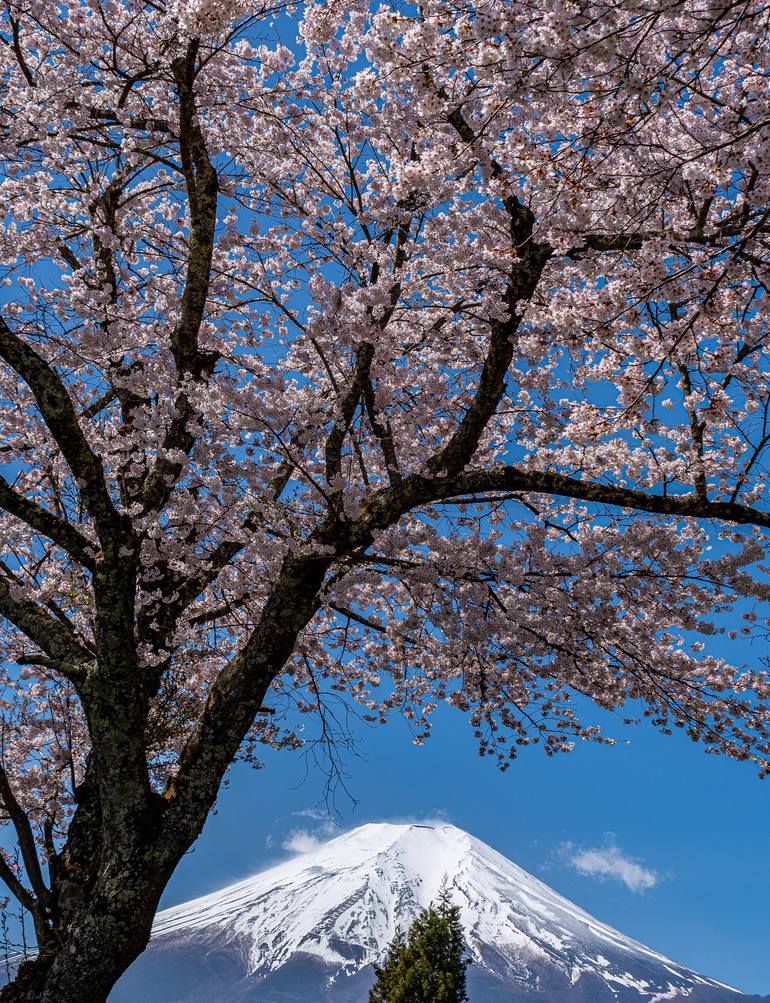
(428,965)
(388,973)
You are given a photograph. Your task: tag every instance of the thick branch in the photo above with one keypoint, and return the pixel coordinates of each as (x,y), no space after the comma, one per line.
(60,417)
(383,432)
(17,889)
(692,505)
(528,260)
(202,185)
(239,691)
(417,490)
(348,407)
(236,696)
(25,837)
(635,241)
(50,635)
(63,533)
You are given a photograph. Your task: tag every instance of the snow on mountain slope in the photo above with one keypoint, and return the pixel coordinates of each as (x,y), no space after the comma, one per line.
(335,909)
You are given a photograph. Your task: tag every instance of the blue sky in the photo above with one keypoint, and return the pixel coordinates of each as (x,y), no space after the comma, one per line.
(658,812)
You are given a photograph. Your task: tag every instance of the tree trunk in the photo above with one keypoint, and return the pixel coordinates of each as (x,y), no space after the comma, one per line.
(85,969)
(125,839)
(103,934)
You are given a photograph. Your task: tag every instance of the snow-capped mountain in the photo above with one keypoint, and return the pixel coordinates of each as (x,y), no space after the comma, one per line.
(310,928)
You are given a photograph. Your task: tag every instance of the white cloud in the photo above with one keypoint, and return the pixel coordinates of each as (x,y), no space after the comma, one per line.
(301,841)
(609,863)
(436,816)
(317,814)
(306,838)
(309,836)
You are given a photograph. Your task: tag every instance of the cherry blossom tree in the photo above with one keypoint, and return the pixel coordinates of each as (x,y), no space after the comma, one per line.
(415,352)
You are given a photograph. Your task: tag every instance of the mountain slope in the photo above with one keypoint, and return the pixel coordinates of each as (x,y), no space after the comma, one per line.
(310,928)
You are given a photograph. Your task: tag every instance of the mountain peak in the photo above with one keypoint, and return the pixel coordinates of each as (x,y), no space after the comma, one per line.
(331,912)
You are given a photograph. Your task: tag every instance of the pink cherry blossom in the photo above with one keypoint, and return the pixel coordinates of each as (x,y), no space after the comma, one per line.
(405,355)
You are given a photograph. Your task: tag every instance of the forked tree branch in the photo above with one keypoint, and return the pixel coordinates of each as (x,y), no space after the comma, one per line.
(61,532)
(48,634)
(59,415)
(25,837)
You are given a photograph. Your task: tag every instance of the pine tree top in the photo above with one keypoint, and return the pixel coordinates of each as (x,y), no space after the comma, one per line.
(426,966)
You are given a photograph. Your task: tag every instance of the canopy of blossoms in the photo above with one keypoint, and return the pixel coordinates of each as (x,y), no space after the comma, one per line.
(416,352)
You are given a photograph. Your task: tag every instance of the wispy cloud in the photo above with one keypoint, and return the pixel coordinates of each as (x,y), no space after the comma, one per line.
(317,829)
(301,841)
(434,816)
(609,863)
(317,814)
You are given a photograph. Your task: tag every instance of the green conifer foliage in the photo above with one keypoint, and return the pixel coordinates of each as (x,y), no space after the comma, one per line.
(428,965)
